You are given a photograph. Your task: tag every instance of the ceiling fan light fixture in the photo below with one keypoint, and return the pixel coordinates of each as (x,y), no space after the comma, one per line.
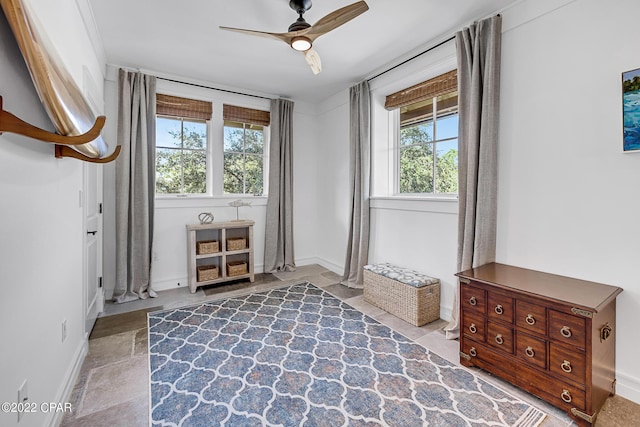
(301,43)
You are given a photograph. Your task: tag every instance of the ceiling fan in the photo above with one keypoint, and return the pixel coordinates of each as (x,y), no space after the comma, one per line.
(301,34)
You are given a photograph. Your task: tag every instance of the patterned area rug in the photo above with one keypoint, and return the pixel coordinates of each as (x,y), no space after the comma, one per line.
(297,356)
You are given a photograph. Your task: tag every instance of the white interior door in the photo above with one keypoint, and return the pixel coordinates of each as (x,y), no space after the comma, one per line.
(93,295)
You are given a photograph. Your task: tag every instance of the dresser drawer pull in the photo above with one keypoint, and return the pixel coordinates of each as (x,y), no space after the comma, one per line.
(473,301)
(566,396)
(566,366)
(473,352)
(472,328)
(499,339)
(499,309)
(565,332)
(530,319)
(529,352)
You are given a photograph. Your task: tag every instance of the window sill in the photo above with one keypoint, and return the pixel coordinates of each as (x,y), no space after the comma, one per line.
(445,205)
(171,202)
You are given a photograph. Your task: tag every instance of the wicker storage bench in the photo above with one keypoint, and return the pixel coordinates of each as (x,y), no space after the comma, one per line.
(407,294)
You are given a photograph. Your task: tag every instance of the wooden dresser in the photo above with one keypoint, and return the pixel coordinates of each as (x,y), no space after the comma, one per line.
(551,335)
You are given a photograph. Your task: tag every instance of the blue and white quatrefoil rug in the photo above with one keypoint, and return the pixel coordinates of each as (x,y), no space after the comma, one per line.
(297,356)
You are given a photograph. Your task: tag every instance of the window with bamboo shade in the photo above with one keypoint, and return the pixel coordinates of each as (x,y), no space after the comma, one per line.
(181,145)
(428,136)
(244,150)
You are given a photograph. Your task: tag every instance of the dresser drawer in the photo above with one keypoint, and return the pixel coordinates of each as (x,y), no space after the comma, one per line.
(473,325)
(531,317)
(531,350)
(500,336)
(570,363)
(564,395)
(499,307)
(567,328)
(473,298)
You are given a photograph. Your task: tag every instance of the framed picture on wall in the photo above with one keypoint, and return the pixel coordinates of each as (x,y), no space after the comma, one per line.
(631,110)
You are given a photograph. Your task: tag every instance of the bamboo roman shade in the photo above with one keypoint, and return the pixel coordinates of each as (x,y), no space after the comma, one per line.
(429,89)
(233,113)
(186,108)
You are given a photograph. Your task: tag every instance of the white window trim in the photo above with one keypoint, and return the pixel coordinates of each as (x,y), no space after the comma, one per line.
(215,141)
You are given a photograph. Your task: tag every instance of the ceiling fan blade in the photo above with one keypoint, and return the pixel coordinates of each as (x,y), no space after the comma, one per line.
(285,37)
(336,19)
(313,59)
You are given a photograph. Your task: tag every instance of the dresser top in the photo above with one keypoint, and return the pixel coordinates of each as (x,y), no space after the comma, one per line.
(582,293)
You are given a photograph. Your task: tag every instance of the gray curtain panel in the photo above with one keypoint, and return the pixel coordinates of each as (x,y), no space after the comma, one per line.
(278,242)
(135,185)
(478,52)
(360,159)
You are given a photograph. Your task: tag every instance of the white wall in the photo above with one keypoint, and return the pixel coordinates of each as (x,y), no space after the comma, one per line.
(41,236)
(568,198)
(332,182)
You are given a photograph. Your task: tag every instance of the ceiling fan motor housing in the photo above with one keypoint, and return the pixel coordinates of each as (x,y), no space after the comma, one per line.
(300,6)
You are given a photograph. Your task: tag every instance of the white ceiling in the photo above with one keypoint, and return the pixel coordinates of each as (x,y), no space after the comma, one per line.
(182,38)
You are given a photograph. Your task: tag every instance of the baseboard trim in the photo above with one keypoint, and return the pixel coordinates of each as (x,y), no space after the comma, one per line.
(64,394)
(338,269)
(628,387)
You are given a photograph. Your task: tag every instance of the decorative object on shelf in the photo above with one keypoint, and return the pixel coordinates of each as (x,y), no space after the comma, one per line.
(236,204)
(631,110)
(205,218)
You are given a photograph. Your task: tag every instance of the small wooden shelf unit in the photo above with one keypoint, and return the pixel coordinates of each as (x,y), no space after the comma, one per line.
(551,335)
(223,259)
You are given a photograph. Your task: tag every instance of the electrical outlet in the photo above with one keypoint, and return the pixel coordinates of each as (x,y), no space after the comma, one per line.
(23,397)
(64,330)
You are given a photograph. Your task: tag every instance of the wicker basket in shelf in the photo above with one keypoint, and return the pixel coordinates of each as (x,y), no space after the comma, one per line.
(236,243)
(207,247)
(207,272)
(236,268)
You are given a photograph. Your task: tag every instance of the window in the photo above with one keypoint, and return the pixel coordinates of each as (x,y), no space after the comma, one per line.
(244,150)
(427,148)
(181,156)
(243,158)
(181,145)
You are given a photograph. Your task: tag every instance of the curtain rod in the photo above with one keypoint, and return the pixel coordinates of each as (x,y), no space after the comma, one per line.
(213,88)
(412,58)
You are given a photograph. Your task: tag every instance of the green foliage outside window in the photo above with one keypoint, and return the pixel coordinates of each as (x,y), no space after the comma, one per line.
(417,174)
(181,163)
(243,159)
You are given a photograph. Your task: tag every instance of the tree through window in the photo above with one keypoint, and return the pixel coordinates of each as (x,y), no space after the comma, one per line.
(244,150)
(243,158)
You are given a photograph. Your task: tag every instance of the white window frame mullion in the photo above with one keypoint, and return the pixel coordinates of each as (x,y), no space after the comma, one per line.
(434,102)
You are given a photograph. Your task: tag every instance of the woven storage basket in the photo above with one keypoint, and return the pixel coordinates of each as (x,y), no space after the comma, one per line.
(236,268)
(236,243)
(207,272)
(207,247)
(417,306)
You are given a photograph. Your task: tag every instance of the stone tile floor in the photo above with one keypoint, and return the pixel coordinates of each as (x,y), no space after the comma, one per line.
(112,388)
